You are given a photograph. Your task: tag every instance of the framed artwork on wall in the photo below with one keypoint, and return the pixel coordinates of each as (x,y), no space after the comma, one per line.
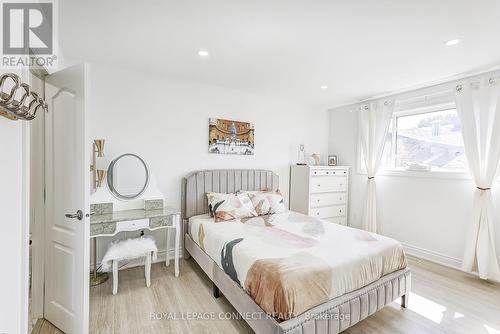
(230,137)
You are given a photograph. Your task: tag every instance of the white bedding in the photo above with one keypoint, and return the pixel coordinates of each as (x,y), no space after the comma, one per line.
(303,261)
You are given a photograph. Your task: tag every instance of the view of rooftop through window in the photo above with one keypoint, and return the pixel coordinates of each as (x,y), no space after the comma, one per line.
(425,141)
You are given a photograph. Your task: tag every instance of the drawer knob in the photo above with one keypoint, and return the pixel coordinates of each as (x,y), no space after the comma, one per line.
(319,185)
(341,184)
(318,200)
(317,213)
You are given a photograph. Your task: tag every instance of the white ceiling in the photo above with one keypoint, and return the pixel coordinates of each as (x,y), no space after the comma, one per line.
(288,49)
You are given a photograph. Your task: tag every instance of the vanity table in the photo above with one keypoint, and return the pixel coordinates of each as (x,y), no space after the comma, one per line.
(113,222)
(130,202)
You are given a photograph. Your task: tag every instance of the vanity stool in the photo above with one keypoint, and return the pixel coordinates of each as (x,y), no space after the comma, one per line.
(129,249)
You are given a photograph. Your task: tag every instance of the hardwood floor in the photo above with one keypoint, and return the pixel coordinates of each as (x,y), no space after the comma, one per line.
(443,300)
(42,326)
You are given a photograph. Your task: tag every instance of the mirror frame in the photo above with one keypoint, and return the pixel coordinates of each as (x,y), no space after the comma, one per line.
(109,177)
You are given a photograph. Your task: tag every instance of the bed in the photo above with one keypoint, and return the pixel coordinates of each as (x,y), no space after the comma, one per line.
(344,275)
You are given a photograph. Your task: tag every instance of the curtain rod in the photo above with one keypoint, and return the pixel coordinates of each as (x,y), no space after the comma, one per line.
(491,80)
(428,84)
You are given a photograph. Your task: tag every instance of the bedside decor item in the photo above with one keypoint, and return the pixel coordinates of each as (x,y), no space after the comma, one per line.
(301,159)
(97,152)
(317,159)
(332,160)
(230,137)
(27,103)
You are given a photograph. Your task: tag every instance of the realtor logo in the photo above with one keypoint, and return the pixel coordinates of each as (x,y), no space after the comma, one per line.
(27,27)
(29,34)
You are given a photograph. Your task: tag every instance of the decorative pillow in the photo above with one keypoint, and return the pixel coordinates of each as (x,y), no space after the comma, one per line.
(230,206)
(267,202)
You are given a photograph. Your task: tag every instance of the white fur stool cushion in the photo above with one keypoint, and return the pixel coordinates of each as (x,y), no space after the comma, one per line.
(127,250)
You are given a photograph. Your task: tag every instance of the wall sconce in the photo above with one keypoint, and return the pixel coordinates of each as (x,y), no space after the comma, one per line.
(99,174)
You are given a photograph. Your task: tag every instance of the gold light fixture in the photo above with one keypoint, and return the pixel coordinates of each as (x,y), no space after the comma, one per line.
(97,151)
(101,175)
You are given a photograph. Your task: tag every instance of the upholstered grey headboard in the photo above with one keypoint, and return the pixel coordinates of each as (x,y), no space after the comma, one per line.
(197,184)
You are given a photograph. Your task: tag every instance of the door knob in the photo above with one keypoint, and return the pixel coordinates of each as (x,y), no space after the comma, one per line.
(78,215)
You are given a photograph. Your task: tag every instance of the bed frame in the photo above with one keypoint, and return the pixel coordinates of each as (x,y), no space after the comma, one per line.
(331,317)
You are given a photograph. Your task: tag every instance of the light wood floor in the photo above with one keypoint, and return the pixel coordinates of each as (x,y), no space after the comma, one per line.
(42,326)
(443,300)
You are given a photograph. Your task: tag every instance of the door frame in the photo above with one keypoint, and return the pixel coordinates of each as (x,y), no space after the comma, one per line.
(25,215)
(35,204)
(37,207)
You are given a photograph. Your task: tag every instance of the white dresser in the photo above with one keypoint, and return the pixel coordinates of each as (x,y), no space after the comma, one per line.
(320,191)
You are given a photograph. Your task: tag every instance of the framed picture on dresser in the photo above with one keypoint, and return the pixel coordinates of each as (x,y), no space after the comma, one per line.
(332,160)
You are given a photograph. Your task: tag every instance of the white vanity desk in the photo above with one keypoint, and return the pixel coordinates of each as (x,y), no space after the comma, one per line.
(114,222)
(130,201)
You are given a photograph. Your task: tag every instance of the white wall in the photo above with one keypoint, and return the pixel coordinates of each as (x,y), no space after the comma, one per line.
(166,122)
(429,215)
(13,224)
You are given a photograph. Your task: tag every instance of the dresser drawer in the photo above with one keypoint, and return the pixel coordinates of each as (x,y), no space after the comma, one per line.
(326,199)
(103,228)
(161,221)
(321,184)
(328,211)
(132,225)
(329,172)
(337,220)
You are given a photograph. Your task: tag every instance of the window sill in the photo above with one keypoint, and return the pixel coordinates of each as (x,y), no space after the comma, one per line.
(456,175)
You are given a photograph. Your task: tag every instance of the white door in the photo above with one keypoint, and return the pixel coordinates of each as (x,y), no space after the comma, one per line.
(67,202)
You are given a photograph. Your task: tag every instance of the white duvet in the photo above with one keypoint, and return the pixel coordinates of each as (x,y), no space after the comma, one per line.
(290,262)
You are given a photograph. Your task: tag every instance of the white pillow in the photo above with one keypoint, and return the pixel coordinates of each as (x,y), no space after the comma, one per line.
(267,202)
(230,206)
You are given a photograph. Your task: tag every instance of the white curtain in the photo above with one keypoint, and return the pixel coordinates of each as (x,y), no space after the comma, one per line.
(374,120)
(479,108)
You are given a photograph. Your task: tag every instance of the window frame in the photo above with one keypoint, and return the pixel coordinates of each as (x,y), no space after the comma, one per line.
(399,171)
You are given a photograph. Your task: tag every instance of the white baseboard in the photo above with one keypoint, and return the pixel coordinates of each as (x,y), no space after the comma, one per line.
(432,256)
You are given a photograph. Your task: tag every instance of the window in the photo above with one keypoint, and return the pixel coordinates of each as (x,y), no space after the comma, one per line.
(430,140)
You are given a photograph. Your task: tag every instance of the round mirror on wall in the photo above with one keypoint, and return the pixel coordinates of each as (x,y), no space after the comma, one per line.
(128,176)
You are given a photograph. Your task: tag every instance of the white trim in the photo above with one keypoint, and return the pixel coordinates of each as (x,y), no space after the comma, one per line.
(400,172)
(25,250)
(25,218)
(430,84)
(438,258)
(37,231)
(412,110)
(432,256)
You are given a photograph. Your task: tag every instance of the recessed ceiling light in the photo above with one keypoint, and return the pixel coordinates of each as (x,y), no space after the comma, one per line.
(324,87)
(452,42)
(203,53)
